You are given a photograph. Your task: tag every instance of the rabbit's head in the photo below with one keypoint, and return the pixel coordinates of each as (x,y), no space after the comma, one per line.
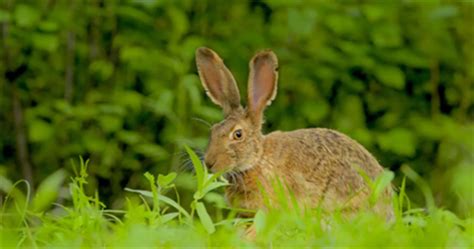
(236,142)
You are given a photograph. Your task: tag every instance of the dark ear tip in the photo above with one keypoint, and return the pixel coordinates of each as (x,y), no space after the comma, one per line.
(266,55)
(205,52)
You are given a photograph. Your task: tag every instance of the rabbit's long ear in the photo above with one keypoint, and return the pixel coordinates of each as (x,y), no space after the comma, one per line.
(217,80)
(262,85)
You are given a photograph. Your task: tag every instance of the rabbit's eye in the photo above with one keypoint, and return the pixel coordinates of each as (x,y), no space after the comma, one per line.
(237,134)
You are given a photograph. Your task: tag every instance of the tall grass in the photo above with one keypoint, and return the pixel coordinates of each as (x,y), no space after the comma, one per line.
(153,219)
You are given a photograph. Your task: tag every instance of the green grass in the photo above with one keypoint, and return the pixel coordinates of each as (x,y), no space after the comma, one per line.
(153,219)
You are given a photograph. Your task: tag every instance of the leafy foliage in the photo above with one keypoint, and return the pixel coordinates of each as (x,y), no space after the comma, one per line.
(157,222)
(115,82)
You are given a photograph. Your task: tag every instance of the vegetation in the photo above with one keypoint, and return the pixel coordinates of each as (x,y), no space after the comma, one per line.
(157,220)
(115,82)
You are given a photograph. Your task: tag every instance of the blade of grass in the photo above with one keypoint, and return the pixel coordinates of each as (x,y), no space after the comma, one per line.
(425,189)
(162,198)
(198,167)
(48,190)
(206,220)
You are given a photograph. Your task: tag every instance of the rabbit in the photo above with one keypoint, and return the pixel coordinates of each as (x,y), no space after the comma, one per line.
(320,167)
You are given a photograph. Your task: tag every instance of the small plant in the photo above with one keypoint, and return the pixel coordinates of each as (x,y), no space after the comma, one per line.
(206,183)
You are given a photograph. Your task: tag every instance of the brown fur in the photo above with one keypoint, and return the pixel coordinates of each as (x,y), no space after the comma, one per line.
(319,166)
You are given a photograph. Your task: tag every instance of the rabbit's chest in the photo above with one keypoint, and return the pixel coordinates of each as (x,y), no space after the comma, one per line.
(243,191)
(258,189)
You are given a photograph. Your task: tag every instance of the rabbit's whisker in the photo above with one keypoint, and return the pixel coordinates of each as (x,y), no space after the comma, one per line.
(202,121)
(186,163)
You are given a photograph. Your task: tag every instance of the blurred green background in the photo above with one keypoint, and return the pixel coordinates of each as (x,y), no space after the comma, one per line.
(115,82)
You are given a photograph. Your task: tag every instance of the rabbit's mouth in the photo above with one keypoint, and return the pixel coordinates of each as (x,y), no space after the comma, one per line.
(236,177)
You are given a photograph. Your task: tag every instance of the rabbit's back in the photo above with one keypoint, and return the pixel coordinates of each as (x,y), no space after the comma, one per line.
(320,146)
(322,166)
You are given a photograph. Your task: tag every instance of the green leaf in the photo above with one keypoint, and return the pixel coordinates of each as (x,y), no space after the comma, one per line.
(133,54)
(48,26)
(212,177)
(381,184)
(400,141)
(422,184)
(135,14)
(259,221)
(206,220)
(210,183)
(341,24)
(386,35)
(209,187)
(179,20)
(130,99)
(192,84)
(154,191)
(153,151)
(93,141)
(174,204)
(374,12)
(129,137)
(406,56)
(168,217)
(5,184)
(7,187)
(165,180)
(47,42)
(426,127)
(198,167)
(48,190)
(462,182)
(162,198)
(350,113)
(402,196)
(102,69)
(217,199)
(110,123)
(301,21)
(163,104)
(315,111)
(150,177)
(39,130)
(390,76)
(26,16)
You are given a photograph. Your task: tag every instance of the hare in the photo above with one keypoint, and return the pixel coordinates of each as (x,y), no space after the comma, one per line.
(320,167)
